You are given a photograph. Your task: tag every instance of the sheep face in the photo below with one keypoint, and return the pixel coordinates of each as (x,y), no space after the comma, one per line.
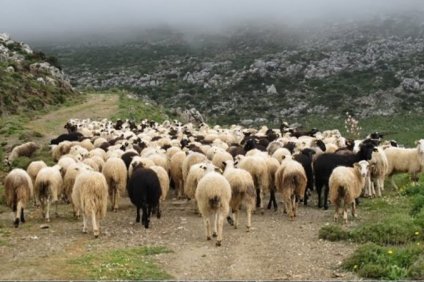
(363,167)
(420,146)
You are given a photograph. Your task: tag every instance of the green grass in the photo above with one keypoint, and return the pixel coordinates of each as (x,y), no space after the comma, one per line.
(130,107)
(393,263)
(122,264)
(392,231)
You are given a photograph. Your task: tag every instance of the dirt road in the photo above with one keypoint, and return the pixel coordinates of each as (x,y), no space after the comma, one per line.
(275,248)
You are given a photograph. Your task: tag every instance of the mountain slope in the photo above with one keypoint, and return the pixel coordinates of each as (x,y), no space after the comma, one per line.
(29,80)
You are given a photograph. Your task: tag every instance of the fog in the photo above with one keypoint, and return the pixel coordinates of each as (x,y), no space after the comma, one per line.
(28,20)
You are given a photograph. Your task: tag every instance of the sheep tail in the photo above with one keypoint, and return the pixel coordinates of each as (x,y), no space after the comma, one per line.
(342,191)
(44,188)
(214,202)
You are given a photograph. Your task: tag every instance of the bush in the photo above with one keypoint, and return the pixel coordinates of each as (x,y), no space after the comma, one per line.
(333,233)
(417,205)
(396,229)
(21,162)
(377,262)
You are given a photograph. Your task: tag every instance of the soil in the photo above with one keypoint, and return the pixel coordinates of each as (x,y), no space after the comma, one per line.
(275,248)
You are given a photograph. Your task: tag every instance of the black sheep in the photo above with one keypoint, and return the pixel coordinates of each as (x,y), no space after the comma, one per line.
(127,158)
(305,159)
(235,150)
(325,163)
(74,136)
(144,192)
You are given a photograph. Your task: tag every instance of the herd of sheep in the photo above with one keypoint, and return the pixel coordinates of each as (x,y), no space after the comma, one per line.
(221,169)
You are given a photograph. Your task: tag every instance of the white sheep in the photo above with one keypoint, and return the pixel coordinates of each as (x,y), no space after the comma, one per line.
(18,190)
(258,168)
(346,183)
(48,185)
(242,191)
(377,172)
(191,159)
(405,160)
(220,157)
(213,195)
(69,181)
(115,172)
(290,181)
(163,180)
(23,150)
(90,197)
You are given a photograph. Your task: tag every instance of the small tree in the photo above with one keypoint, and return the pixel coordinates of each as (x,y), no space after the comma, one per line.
(352,126)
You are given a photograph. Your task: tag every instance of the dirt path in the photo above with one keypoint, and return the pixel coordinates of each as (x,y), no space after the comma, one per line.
(275,248)
(97,106)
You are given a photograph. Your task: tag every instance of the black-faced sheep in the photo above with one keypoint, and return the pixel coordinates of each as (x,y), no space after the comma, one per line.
(405,160)
(325,163)
(213,195)
(144,191)
(48,185)
(89,196)
(115,173)
(346,183)
(23,150)
(290,181)
(18,191)
(242,192)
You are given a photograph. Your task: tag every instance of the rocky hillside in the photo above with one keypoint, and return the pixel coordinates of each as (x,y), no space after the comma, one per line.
(264,74)
(29,80)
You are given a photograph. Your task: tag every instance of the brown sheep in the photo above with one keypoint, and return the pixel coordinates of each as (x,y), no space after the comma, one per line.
(18,190)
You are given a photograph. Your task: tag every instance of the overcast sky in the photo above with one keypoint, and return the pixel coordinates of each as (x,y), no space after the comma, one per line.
(29,19)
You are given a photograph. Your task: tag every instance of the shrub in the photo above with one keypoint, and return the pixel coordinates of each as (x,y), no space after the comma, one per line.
(377,262)
(333,233)
(396,229)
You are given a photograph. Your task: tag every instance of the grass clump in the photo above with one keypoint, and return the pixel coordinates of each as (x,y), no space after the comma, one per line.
(333,233)
(379,262)
(122,264)
(396,229)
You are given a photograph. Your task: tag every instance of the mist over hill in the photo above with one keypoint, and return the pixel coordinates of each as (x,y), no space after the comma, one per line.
(258,62)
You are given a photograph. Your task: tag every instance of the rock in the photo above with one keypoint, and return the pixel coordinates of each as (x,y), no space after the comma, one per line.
(271,90)
(44,226)
(410,85)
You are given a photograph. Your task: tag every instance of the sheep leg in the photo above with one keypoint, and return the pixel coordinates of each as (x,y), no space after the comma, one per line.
(158,212)
(220,218)
(345,213)
(145,216)
(137,219)
(354,209)
(336,214)
(230,219)
(235,215)
(48,211)
(249,218)
(272,200)
(22,216)
(326,189)
(392,181)
(294,205)
(84,223)
(19,209)
(207,221)
(319,188)
(414,178)
(258,198)
(215,221)
(94,222)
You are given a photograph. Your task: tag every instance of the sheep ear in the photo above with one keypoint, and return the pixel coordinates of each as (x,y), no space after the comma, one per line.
(225,164)
(375,149)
